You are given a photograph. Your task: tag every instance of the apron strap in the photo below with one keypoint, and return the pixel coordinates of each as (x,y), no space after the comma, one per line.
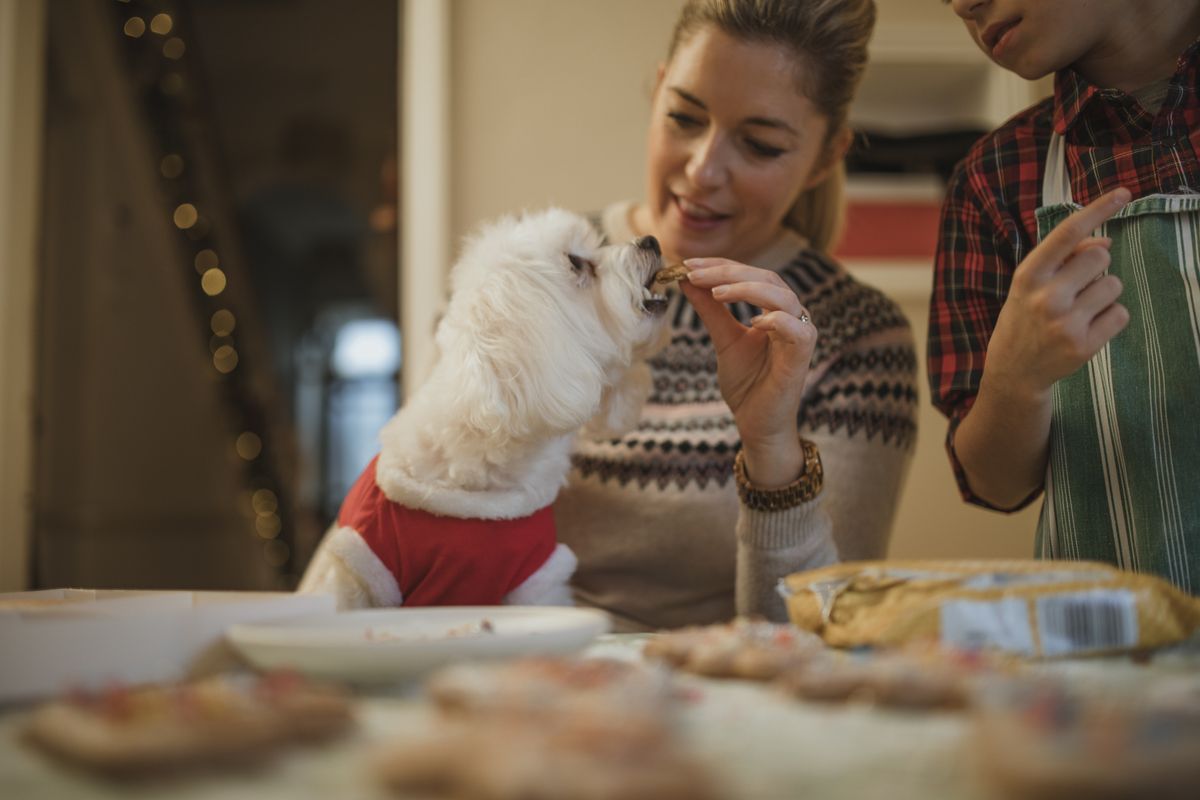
(1056,186)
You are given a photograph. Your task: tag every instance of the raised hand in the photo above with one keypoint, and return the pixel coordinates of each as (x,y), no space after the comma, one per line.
(761,368)
(1062,307)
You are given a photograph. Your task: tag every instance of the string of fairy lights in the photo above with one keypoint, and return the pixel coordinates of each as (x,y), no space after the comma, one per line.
(156,51)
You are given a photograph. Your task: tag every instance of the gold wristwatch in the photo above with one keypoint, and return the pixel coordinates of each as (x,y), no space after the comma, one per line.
(801,490)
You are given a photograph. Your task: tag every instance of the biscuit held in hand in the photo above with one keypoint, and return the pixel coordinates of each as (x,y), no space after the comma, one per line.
(667,276)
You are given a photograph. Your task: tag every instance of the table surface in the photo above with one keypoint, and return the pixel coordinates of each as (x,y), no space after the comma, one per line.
(757,743)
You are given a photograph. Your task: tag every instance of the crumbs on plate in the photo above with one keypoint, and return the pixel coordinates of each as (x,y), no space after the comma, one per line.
(465,630)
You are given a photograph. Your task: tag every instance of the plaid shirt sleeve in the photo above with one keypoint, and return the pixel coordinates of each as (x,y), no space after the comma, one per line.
(982,239)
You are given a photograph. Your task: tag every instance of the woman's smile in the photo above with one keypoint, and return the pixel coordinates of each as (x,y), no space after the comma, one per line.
(698,216)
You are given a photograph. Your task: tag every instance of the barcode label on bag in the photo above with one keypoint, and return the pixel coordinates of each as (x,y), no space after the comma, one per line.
(1082,622)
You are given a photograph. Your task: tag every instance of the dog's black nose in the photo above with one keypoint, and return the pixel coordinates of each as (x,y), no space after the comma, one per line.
(648,243)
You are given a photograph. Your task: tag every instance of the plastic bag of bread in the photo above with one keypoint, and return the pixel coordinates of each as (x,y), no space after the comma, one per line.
(1035,609)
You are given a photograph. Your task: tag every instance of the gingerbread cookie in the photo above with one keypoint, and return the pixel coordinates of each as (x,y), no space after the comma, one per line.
(154,729)
(743,648)
(915,678)
(550,728)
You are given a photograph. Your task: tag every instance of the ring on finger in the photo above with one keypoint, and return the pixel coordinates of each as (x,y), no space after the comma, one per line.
(803,317)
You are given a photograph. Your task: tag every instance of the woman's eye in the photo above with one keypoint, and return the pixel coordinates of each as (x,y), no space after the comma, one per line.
(764,150)
(682,120)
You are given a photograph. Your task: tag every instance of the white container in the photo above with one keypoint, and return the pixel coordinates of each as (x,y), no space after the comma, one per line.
(61,639)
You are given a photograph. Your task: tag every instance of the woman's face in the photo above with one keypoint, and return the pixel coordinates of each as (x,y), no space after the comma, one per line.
(732,143)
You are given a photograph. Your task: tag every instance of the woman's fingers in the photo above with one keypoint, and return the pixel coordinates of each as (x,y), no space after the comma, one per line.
(722,327)
(713,282)
(731,282)
(711,263)
(790,330)
(766,296)
(715,271)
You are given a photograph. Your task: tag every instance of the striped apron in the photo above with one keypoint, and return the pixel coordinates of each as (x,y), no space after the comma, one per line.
(1123,477)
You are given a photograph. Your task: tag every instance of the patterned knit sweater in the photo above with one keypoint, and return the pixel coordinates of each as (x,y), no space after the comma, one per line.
(654,518)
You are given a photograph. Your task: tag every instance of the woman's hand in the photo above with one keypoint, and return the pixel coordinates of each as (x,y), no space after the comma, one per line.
(761,369)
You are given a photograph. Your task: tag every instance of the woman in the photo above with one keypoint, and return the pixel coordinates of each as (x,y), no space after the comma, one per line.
(747,136)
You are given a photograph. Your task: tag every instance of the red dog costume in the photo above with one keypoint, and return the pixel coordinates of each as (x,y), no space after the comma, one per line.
(406,556)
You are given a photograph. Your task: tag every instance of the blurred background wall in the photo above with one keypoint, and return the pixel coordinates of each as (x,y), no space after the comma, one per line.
(22,81)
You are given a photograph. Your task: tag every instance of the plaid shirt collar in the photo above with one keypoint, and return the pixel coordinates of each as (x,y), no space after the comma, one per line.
(1073,93)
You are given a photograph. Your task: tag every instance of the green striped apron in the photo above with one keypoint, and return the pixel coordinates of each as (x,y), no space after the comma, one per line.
(1123,477)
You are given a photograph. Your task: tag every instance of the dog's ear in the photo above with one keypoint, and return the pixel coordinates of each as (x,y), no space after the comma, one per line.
(584,268)
(524,379)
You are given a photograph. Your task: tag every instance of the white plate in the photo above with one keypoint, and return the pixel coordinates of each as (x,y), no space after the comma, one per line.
(394,644)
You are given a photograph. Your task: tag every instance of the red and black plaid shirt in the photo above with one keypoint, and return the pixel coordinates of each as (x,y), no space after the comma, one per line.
(988,224)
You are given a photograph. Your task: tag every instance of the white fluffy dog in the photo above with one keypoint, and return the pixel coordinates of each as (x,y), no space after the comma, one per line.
(546,332)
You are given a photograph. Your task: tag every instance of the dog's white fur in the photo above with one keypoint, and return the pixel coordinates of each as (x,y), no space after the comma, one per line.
(534,345)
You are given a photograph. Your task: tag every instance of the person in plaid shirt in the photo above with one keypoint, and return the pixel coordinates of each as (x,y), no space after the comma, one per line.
(1064,341)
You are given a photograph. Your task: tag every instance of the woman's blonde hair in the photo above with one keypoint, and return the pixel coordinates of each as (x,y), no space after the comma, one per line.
(829,40)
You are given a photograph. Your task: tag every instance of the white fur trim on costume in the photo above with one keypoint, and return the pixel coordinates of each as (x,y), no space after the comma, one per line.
(345,566)
(535,484)
(548,586)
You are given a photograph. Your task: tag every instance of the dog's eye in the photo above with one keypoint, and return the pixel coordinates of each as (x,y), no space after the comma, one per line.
(579,263)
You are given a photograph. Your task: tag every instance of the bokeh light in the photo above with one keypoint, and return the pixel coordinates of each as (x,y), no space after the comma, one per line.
(225,359)
(223,322)
(185,216)
(213,282)
(248,445)
(162,24)
(205,260)
(265,502)
(268,525)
